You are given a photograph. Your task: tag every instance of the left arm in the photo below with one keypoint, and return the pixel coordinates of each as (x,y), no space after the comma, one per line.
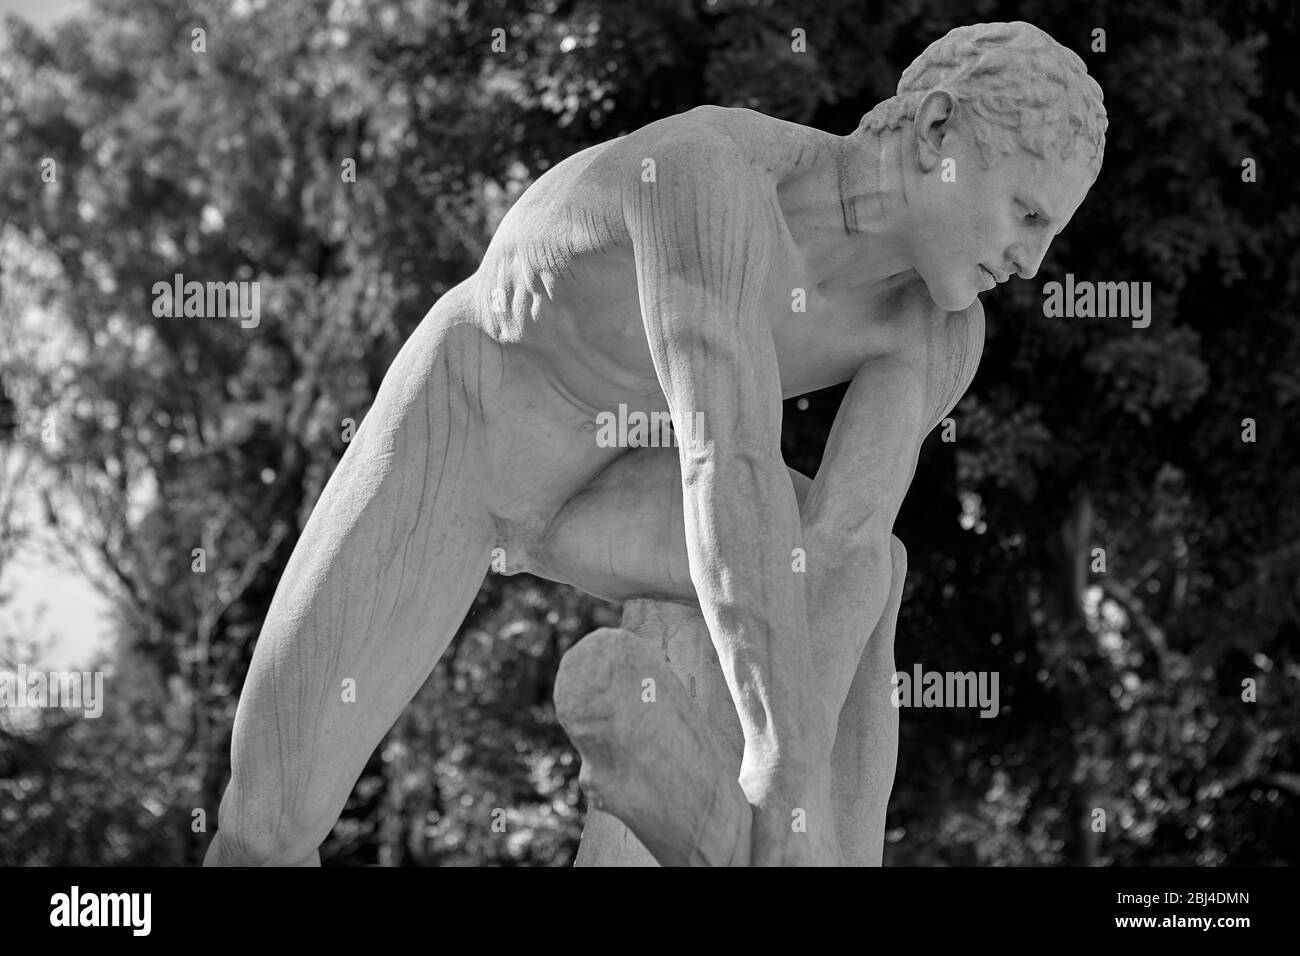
(848,515)
(869,469)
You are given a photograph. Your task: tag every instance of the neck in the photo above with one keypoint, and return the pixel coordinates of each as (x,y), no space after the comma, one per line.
(850,218)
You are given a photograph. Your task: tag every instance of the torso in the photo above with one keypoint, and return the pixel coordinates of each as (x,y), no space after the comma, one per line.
(557,293)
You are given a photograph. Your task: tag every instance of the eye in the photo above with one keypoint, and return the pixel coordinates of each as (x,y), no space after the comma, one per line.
(1032,216)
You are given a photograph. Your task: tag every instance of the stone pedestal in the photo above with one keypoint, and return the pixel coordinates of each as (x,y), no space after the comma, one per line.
(672,642)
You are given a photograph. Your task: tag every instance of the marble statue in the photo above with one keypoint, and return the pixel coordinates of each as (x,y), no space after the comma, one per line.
(705,266)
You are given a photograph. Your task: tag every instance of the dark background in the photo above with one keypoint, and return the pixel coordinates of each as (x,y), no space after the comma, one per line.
(1122,690)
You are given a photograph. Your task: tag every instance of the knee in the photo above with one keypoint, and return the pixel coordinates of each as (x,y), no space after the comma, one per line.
(898,559)
(893,595)
(881,562)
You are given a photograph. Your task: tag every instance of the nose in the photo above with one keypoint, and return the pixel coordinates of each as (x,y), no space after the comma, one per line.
(1026,257)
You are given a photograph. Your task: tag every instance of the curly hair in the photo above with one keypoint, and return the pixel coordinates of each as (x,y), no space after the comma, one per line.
(1014,84)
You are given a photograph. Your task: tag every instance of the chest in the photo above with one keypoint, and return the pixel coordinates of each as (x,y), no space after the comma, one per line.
(823,336)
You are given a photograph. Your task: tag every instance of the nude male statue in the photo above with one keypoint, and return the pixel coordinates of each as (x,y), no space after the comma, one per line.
(658,271)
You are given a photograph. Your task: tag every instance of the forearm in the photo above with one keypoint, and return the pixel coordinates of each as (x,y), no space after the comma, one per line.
(742,526)
(866,740)
(848,516)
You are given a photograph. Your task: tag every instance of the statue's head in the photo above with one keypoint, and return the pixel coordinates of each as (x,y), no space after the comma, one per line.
(1003,133)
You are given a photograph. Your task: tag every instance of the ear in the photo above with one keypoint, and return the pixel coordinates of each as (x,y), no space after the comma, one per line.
(931,126)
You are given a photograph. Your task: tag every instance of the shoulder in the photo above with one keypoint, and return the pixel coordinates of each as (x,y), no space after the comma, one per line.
(707,123)
(683,150)
(944,348)
(731,147)
(686,186)
(954,357)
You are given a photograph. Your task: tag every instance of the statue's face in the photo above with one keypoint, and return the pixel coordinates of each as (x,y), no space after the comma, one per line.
(973,227)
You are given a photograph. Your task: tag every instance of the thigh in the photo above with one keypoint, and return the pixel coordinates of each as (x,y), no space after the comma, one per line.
(623,535)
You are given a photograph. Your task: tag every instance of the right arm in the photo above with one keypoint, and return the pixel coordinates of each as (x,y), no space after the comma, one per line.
(703,239)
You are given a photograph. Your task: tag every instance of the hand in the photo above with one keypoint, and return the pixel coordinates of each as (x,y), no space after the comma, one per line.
(792,822)
(221,854)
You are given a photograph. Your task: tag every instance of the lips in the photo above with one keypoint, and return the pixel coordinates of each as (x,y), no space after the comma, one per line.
(996,277)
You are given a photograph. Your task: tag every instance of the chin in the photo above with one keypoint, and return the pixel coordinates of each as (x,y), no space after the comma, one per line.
(953,299)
